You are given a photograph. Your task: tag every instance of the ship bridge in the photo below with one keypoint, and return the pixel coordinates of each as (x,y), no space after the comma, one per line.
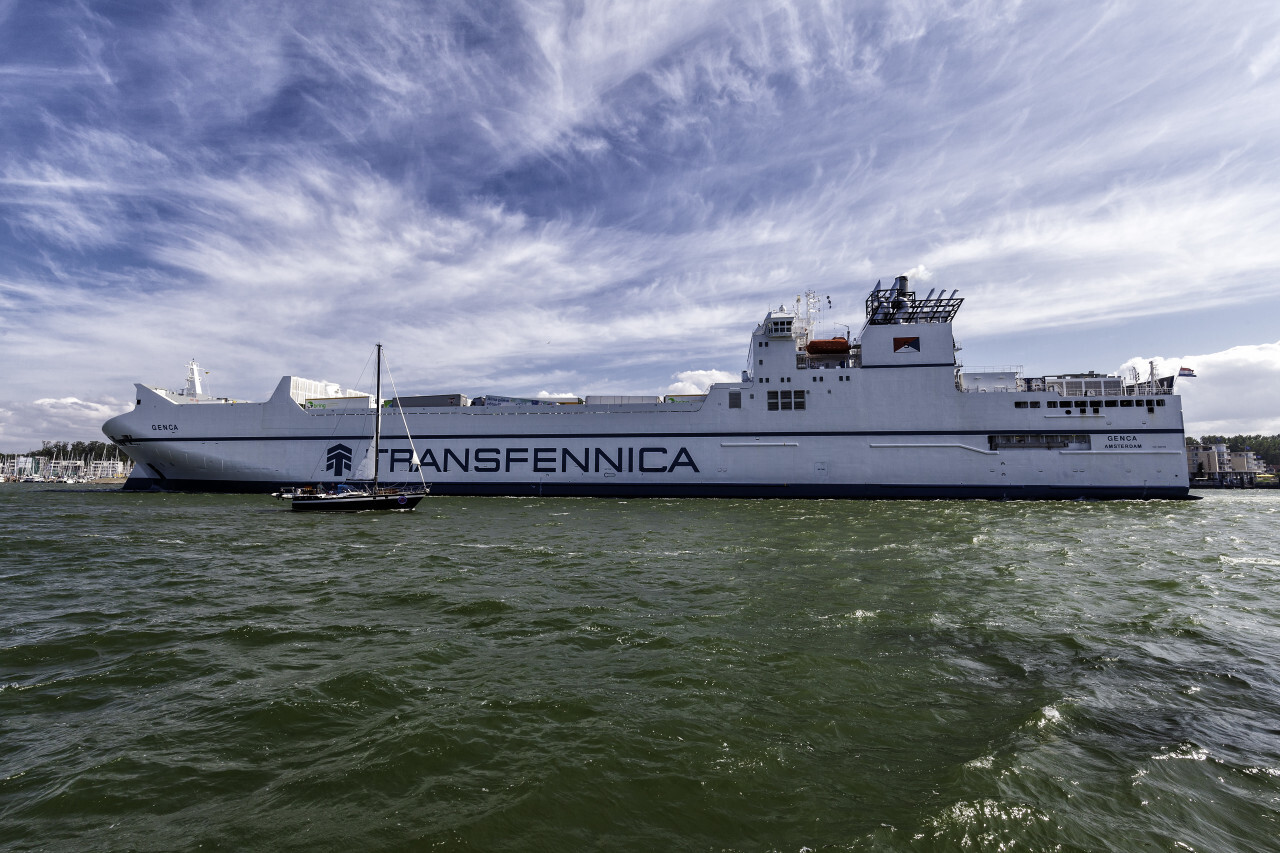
(901,330)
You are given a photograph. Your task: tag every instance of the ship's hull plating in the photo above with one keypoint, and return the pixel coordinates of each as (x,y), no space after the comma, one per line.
(879,430)
(1148,463)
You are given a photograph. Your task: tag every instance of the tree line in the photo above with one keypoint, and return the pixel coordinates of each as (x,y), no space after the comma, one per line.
(1266,446)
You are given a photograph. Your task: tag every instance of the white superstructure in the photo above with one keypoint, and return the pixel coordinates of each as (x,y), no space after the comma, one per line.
(888,414)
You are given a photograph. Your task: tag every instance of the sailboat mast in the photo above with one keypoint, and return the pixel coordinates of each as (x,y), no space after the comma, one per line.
(377,418)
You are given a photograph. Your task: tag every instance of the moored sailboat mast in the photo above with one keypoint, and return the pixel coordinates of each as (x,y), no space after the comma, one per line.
(377,417)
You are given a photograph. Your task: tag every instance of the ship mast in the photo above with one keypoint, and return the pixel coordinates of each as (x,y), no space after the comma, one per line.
(194,390)
(377,417)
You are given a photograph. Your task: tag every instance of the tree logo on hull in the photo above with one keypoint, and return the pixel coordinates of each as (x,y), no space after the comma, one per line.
(339,460)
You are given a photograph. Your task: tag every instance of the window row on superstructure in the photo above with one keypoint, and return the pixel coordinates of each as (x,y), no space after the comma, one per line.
(1095,404)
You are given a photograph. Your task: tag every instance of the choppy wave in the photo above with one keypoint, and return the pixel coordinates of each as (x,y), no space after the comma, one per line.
(213,672)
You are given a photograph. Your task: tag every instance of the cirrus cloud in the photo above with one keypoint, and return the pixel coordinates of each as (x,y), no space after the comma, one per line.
(592,196)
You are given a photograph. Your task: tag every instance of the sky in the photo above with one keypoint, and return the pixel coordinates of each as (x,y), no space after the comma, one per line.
(606,197)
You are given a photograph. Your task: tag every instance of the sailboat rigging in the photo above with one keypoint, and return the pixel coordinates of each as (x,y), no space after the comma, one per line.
(348,498)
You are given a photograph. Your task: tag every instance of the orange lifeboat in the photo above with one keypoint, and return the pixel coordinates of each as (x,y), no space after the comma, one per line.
(829,346)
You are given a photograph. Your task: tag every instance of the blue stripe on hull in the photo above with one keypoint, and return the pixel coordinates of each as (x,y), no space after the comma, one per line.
(863,491)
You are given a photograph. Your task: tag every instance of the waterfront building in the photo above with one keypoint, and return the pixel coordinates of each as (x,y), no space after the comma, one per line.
(1215,465)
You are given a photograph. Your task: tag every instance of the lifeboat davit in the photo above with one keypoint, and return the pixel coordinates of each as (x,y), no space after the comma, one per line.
(828,346)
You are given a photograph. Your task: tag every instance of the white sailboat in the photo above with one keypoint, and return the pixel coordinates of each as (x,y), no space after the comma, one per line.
(347,498)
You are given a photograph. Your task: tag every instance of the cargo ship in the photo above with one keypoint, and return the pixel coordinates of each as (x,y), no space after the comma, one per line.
(888,413)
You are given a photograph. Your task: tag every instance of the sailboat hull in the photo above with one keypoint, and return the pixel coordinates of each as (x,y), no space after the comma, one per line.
(358,502)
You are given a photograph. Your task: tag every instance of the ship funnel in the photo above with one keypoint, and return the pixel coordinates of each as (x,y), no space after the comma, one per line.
(901,283)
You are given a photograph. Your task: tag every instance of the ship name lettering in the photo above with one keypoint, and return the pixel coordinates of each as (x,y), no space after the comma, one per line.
(1122,442)
(165,427)
(548,460)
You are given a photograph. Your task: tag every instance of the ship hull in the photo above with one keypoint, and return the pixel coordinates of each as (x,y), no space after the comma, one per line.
(895,417)
(475,454)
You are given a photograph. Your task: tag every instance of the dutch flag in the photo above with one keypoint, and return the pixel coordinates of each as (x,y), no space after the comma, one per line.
(1186,371)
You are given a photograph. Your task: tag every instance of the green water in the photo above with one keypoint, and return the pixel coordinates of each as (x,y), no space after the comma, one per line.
(192,672)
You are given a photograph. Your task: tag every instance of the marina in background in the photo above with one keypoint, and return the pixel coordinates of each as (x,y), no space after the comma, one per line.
(97,462)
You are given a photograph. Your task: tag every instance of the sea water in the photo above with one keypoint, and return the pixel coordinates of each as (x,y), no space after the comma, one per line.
(200,672)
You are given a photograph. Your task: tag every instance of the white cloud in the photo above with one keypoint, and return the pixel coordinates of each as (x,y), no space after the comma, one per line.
(23,426)
(698,381)
(1233,392)
(586,196)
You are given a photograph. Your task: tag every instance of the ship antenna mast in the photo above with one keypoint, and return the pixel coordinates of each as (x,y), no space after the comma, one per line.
(812,312)
(193,380)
